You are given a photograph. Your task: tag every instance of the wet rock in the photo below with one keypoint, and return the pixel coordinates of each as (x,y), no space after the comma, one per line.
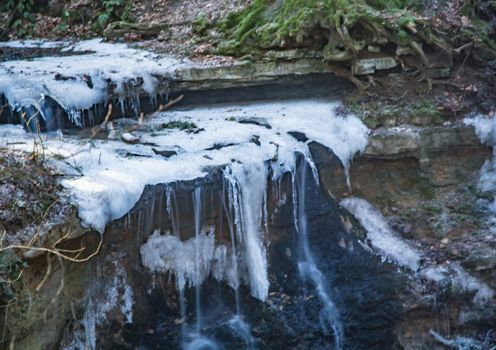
(219,146)
(298,136)
(164,153)
(255,121)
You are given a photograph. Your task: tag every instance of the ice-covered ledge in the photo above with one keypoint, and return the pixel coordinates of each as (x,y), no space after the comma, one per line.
(72,85)
(107,176)
(84,74)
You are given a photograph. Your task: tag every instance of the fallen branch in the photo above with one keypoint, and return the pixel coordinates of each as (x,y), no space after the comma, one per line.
(47,274)
(161,108)
(96,129)
(463,47)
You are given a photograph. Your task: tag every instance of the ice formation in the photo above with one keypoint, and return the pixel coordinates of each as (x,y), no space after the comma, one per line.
(485,128)
(167,253)
(118,295)
(380,235)
(248,185)
(27,83)
(104,189)
(389,245)
(107,177)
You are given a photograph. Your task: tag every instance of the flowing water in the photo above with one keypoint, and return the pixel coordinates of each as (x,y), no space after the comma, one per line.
(197,205)
(309,272)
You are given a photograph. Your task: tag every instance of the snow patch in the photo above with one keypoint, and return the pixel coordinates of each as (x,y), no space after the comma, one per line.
(485,128)
(27,83)
(390,246)
(106,180)
(381,237)
(118,295)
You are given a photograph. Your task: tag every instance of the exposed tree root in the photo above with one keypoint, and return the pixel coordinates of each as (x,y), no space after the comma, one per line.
(347,74)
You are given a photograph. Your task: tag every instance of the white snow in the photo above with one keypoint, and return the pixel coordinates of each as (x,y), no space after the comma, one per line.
(485,128)
(107,180)
(380,235)
(389,245)
(468,283)
(107,177)
(460,280)
(27,82)
(33,44)
(118,295)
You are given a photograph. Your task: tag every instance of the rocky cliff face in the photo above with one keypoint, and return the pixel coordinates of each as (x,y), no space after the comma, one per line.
(420,183)
(423,183)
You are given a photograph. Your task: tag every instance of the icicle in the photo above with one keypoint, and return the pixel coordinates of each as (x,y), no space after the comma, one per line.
(248,185)
(89,323)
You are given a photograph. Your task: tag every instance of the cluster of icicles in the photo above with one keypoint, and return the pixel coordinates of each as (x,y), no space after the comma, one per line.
(192,261)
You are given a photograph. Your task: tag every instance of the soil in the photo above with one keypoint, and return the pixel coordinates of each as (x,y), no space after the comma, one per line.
(31,198)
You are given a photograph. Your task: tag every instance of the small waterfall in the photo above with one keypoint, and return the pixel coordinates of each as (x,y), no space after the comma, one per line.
(237,323)
(197,207)
(308,270)
(174,216)
(192,340)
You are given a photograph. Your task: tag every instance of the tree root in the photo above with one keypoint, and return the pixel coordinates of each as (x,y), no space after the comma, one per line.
(62,253)
(345,73)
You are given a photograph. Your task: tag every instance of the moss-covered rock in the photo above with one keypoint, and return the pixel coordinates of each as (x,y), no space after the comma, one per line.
(341,28)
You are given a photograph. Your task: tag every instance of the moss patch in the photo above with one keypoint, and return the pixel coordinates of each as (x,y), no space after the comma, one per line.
(341,28)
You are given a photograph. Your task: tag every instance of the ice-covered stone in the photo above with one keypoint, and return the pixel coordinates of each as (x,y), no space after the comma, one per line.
(380,235)
(106,181)
(79,79)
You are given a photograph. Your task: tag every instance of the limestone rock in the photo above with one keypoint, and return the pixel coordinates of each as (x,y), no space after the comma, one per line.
(370,65)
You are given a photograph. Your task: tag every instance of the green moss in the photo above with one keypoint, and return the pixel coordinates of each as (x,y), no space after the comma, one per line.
(428,111)
(201,24)
(426,190)
(265,24)
(181,125)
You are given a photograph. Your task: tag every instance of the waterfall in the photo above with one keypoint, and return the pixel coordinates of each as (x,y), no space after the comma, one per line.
(248,155)
(237,323)
(308,270)
(197,207)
